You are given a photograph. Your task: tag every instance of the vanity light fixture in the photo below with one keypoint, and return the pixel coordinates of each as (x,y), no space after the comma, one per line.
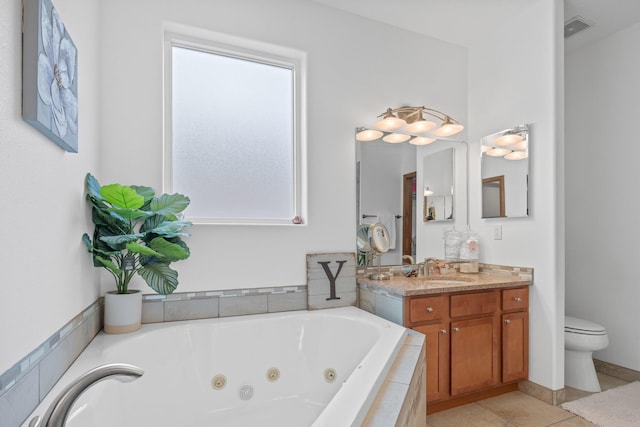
(427,191)
(512,144)
(410,121)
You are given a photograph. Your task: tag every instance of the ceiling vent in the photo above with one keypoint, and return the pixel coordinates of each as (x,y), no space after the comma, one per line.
(575,25)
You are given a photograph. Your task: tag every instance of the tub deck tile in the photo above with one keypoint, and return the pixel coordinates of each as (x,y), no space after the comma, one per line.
(243,305)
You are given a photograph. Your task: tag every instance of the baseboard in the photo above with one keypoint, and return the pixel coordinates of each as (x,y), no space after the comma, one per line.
(616,371)
(552,397)
(558,397)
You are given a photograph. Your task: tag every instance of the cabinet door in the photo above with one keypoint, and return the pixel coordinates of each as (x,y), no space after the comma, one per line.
(437,350)
(515,346)
(475,354)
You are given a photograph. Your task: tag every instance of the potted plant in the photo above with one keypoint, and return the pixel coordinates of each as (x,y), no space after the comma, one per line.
(136,232)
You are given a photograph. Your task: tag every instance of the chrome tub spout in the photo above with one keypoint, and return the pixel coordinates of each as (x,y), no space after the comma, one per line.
(56,415)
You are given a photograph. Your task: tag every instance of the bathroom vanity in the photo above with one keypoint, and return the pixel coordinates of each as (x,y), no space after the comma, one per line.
(476,328)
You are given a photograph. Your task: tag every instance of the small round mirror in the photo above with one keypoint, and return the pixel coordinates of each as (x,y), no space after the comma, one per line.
(379,238)
(363,239)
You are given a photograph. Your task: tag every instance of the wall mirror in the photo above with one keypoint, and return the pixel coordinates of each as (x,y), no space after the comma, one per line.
(437,186)
(396,186)
(505,173)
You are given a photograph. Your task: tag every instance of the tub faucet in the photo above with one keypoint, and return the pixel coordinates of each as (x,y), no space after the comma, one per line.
(56,415)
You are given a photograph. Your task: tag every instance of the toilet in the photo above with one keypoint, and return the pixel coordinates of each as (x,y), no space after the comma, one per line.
(581,339)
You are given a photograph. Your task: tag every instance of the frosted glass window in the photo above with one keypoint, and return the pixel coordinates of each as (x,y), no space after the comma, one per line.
(233,136)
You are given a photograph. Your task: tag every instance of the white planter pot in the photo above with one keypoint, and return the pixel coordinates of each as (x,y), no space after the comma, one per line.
(122,312)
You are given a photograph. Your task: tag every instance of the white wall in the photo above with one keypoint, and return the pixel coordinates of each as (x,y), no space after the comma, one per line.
(602,104)
(351,79)
(515,77)
(47,277)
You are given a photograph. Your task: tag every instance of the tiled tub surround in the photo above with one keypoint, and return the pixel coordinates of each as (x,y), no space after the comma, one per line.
(26,383)
(23,386)
(302,345)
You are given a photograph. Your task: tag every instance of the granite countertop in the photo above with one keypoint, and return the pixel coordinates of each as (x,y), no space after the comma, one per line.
(457,282)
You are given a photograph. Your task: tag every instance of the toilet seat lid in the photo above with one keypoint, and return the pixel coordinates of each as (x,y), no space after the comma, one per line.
(581,326)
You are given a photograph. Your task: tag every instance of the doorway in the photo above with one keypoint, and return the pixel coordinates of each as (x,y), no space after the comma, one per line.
(408,215)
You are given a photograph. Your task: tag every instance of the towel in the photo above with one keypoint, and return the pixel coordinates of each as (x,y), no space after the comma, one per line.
(369,220)
(389,221)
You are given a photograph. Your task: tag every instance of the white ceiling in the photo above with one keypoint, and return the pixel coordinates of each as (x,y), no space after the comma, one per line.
(460,21)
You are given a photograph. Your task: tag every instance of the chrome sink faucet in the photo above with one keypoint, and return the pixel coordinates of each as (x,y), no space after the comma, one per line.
(56,415)
(429,266)
(409,257)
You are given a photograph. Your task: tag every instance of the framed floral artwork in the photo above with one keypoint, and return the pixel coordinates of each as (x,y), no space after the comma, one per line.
(49,75)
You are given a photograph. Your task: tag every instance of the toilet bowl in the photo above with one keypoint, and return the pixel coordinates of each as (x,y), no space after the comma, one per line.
(581,339)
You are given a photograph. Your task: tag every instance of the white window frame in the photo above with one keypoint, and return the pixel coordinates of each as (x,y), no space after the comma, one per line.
(222,44)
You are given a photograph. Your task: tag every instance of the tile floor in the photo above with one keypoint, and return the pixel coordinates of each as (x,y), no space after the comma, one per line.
(517,409)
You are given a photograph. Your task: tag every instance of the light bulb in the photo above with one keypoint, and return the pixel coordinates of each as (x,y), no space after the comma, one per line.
(508,139)
(369,135)
(421,140)
(420,126)
(396,138)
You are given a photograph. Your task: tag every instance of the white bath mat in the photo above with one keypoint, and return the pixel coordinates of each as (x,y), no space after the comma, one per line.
(618,407)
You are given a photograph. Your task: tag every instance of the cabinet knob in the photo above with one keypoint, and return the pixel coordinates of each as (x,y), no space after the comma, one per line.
(507,321)
(517,299)
(443,331)
(429,309)
(456,329)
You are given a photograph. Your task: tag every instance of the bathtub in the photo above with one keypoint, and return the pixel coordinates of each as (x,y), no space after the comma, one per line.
(304,368)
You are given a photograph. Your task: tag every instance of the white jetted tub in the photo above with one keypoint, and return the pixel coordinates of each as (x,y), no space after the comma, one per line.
(304,368)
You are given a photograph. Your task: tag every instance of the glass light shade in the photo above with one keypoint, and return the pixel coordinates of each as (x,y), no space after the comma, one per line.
(522,146)
(421,140)
(396,138)
(448,129)
(420,126)
(516,155)
(369,135)
(486,148)
(390,123)
(508,139)
(427,191)
(498,152)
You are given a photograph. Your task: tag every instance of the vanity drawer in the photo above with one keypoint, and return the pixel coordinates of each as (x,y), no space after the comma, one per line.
(515,299)
(475,304)
(428,308)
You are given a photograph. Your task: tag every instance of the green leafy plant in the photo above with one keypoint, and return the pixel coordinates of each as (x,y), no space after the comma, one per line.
(136,232)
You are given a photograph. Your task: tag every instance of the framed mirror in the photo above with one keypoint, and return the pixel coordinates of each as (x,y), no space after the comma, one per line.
(505,173)
(391,181)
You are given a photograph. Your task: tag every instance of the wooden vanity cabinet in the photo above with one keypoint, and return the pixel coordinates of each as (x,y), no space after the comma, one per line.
(515,334)
(437,355)
(476,343)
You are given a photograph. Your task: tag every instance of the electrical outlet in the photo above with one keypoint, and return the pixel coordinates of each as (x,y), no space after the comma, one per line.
(497,232)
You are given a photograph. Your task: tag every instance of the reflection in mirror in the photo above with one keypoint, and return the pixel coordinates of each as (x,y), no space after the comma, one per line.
(505,173)
(381,169)
(390,181)
(438,186)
